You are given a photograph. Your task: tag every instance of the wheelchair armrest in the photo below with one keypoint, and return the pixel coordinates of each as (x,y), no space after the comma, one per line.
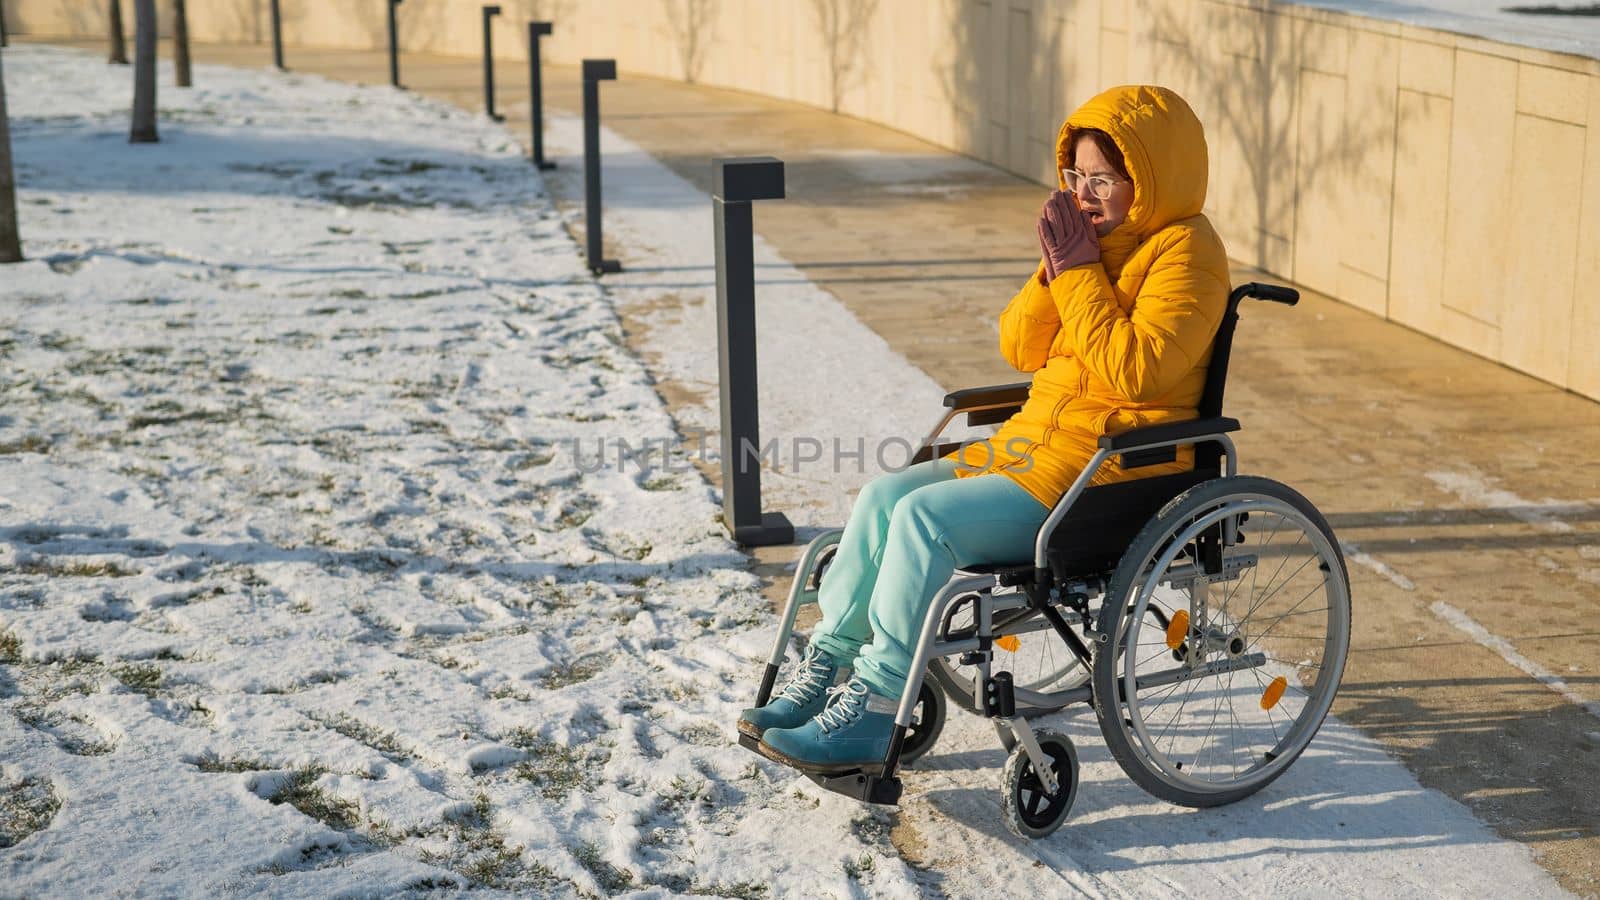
(993,395)
(1170,433)
(933,451)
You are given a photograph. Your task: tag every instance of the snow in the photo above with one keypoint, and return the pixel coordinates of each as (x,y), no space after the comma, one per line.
(307,598)
(1492,19)
(304,593)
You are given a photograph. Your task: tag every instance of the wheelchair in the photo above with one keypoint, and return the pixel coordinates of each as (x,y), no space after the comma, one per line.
(1203,615)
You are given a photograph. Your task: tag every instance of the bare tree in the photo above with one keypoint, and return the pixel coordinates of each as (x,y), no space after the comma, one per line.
(844,33)
(688,20)
(180,43)
(144,73)
(119,47)
(10,240)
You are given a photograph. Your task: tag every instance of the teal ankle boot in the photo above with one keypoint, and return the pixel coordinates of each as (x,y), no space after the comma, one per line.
(851,733)
(803,697)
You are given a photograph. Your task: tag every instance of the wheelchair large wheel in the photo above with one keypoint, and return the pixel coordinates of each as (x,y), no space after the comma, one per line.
(1219,703)
(1035,656)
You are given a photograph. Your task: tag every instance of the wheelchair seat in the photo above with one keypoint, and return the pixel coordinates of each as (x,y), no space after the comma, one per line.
(1103,523)
(1106,518)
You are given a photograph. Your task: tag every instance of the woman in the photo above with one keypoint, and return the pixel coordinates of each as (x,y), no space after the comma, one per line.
(1117,326)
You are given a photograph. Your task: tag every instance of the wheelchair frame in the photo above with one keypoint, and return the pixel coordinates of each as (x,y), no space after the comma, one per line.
(1039,587)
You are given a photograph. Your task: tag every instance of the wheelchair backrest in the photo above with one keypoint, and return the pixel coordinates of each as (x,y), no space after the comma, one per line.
(1208,456)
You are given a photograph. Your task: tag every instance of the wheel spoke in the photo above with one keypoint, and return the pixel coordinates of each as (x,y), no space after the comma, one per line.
(1303,612)
(1297,637)
(1281,563)
(1233,740)
(1296,664)
(1238,583)
(1271,721)
(1163,650)
(1170,689)
(1270,594)
(1315,588)
(1193,683)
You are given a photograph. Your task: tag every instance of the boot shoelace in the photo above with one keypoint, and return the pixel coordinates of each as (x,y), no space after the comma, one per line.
(845,703)
(810,681)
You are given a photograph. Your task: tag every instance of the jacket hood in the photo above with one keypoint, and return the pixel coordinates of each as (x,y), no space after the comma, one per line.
(1163,145)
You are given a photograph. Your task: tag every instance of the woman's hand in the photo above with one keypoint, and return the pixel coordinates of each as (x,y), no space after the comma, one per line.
(1065,234)
(1049,274)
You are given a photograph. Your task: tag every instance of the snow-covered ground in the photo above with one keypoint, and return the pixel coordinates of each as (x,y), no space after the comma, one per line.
(1496,20)
(304,593)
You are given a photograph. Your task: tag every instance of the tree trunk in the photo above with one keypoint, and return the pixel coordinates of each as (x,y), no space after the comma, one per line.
(180,43)
(144,73)
(10,241)
(119,48)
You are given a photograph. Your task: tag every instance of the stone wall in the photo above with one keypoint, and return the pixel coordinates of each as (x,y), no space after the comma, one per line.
(1448,183)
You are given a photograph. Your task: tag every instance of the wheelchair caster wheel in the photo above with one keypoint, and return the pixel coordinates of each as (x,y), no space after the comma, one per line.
(1031,810)
(927,720)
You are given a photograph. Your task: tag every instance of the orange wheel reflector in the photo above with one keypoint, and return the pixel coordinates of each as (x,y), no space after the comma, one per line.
(1274,692)
(1177,629)
(1008,643)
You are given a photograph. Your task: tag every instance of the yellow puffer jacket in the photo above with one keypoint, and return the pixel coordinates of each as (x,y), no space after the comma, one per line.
(1123,343)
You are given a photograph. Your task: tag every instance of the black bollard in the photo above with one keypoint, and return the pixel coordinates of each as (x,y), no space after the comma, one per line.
(119,46)
(489,12)
(594,71)
(737,182)
(394,45)
(183,71)
(536,88)
(277,38)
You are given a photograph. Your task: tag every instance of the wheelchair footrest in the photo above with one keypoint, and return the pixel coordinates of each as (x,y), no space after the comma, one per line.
(856,784)
(861,786)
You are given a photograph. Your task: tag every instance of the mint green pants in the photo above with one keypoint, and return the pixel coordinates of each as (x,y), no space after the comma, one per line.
(908,531)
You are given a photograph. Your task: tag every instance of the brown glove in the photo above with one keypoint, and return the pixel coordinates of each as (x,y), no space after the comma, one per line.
(1067,236)
(1049,274)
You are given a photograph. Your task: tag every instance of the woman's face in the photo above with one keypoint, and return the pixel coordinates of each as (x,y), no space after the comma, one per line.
(1106,214)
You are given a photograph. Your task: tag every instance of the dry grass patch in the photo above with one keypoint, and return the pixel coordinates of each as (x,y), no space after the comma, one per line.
(142,679)
(26,806)
(53,568)
(556,770)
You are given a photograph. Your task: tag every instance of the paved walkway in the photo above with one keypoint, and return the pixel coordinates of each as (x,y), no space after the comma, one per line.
(1468,495)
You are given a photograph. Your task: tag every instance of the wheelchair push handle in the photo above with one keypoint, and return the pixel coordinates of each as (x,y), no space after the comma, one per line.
(1277,293)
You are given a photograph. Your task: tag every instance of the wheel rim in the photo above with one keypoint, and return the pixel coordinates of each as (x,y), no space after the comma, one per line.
(1238,729)
(1037,807)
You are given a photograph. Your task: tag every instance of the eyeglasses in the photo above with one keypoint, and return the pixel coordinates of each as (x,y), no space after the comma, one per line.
(1100,186)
